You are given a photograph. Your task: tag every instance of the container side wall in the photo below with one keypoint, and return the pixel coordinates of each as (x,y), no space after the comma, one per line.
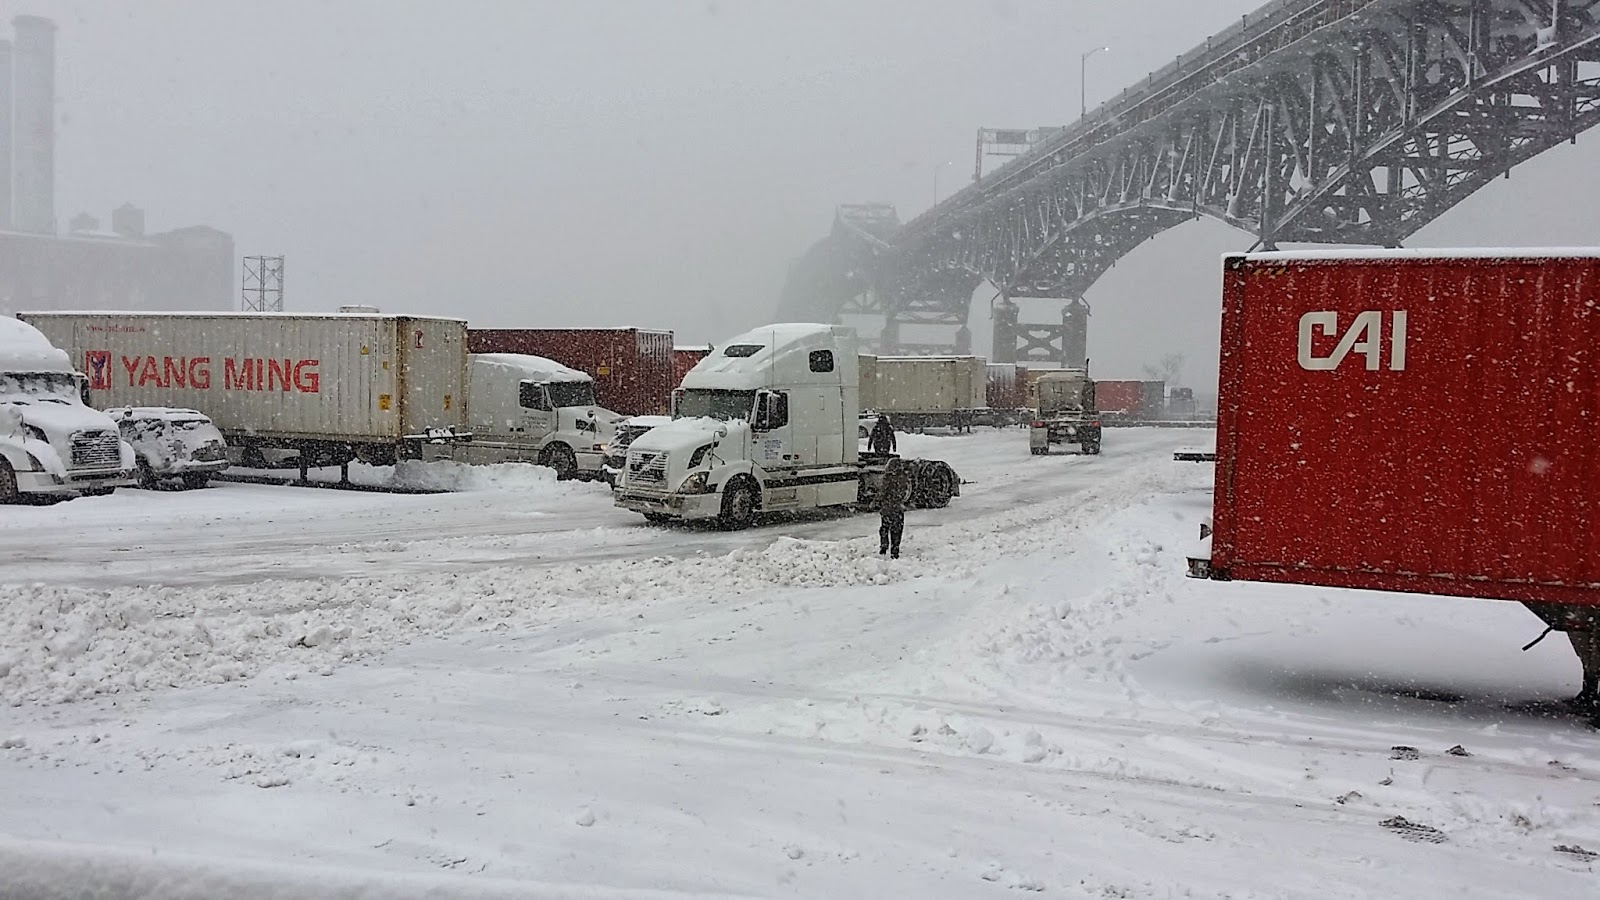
(1424,425)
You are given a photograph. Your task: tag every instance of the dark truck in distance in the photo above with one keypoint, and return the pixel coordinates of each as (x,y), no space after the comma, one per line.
(1065,412)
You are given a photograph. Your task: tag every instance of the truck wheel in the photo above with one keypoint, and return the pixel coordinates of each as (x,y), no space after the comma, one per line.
(1092,449)
(194,481)
(8,483)
(738,506)
(1037,451)
(563,460)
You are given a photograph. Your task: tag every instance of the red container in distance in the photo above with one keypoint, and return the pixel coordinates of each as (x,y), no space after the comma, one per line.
(684,359)
(1425,422)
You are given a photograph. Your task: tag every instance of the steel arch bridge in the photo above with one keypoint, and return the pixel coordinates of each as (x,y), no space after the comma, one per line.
(1308,121)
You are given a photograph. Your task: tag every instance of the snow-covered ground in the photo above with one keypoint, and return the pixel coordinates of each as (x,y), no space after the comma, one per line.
(519,690)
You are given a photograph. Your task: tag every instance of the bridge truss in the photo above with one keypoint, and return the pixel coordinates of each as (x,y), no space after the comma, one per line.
(1309,121)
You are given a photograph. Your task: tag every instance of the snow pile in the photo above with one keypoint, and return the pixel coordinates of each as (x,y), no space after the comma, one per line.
(39,870)
(447,475)
(67,644)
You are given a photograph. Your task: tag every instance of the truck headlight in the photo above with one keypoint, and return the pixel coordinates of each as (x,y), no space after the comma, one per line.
(695,484)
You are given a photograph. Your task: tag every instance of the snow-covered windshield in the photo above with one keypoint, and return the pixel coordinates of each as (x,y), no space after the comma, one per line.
(571,393)
(723,405)
(57,386)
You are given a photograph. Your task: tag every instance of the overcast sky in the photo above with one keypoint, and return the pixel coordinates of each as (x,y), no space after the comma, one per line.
(652,163)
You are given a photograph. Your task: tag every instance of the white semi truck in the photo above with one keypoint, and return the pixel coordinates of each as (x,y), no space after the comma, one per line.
(523,408)
(337,387)
(51,443)
(767,423)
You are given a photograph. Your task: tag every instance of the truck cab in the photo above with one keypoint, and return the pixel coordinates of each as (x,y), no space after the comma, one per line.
(525,408)
(768,422)
(51,442)
(1065,412)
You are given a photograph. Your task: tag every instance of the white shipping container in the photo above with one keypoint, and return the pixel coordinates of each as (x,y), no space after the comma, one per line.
(930,384)
(867,375)
(358,378)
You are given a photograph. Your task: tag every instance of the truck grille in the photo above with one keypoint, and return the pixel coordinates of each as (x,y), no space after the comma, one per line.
(96,450)
(647,466)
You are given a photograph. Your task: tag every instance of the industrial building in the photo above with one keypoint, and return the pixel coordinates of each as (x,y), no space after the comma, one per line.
(85,268)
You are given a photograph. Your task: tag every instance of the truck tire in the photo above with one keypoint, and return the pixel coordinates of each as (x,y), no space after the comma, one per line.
(1037,451)
(561,458)
(739,504)
(8,484)
(195,481)
(1092,449)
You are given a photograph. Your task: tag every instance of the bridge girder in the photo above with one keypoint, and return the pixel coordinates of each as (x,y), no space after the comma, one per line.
(1313,121)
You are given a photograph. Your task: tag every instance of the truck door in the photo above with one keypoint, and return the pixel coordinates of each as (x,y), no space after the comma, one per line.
(538,418)
(773,434)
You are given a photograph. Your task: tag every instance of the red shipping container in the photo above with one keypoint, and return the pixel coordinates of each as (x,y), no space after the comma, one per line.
(1119,397)
(631,367)
(684,359)
(1412,422)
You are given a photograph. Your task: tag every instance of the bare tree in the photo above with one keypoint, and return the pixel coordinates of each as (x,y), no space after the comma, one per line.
(1169,369)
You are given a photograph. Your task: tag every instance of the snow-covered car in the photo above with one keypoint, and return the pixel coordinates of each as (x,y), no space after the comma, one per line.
(627,430)
(172,444)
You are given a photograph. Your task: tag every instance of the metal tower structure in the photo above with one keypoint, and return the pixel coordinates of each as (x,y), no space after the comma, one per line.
(263,284)
(1308,121)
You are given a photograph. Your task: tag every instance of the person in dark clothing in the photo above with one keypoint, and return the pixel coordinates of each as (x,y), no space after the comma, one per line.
(882,438)
(892,497)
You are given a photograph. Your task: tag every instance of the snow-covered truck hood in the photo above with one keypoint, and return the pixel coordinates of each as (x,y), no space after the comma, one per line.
(686,435)
(62,418)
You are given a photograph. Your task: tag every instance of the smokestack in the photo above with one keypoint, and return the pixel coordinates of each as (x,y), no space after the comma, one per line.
(5,135)
(33,154)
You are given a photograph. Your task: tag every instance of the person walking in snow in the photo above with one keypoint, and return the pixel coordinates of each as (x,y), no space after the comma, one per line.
(882,438)
(892,497)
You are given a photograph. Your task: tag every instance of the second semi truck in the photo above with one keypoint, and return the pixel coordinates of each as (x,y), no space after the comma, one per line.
(767,423)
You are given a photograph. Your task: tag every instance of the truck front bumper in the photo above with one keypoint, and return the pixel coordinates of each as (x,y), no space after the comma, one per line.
(590,461)
(40,482)
(677,506)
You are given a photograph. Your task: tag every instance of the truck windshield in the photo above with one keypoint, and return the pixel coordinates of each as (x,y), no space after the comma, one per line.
(722,405)
(571,393)
(38,386)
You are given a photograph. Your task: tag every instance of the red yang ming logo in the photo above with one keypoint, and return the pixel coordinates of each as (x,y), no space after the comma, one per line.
(97,364)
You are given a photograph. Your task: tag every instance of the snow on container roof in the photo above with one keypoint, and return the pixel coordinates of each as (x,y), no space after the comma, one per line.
(1424,253)
(224,314)
(23,348)
(532,367)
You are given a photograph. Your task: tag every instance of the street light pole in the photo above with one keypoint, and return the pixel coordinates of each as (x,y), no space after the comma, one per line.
(1083,78)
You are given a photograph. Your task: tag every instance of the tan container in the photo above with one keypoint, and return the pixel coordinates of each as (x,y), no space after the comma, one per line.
(360,378)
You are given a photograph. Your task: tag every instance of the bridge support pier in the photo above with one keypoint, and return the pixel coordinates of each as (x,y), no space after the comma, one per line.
(1074,334)
(1005,315)
(889,338)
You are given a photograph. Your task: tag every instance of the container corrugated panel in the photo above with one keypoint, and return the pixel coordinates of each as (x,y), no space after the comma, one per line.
(1119,397)
(632,368)
(867,381)
(684,359)
(1407,423)
(280,375)
(1153,399)
(930,384)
